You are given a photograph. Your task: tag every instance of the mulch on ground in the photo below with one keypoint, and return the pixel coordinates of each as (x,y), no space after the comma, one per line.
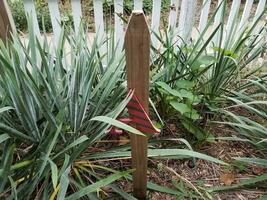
(168,172)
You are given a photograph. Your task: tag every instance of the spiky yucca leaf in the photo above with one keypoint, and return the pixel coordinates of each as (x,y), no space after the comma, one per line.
(47,98)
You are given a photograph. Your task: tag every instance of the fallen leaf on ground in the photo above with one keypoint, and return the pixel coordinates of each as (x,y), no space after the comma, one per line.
(227,178)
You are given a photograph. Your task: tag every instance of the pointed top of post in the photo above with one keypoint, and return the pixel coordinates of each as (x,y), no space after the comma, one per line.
(137,22)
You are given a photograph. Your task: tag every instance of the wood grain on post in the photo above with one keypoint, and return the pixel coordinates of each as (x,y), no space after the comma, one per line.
(6,21)
(137,48)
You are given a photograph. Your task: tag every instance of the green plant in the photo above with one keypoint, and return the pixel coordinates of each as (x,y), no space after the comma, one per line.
(47,102)
(43,15)
(183,100)
(19,16)
(251,122)
(213,65)
(246,113)
(53,102)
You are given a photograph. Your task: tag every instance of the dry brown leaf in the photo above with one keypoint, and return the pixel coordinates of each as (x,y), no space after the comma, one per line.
(257,170)
(227,178)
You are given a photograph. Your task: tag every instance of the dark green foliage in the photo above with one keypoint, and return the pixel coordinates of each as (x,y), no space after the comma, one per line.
(53,103)
(47,104)
(192,80)
(19,16)
(43,15)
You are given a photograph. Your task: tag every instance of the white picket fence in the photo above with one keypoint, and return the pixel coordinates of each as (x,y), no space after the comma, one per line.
(182,16)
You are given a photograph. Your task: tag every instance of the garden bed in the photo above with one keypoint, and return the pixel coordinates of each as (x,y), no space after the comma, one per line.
(57,106)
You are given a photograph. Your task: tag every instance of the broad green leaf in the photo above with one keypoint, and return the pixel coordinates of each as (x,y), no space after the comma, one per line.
(185,84)
(164,85)
(198,132)
(18,165)
(227,52)
(186,94)
(264,197)
(203,62)
(193,115)
(185,110)
(168,89)
(181,107)
(182,152)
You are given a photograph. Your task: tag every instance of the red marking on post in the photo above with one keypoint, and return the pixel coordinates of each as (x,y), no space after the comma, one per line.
(138,116)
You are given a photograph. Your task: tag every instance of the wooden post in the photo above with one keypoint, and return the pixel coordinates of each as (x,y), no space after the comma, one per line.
(137,48)
(6,21)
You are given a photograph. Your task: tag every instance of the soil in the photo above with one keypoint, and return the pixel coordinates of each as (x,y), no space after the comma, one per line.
(203,174)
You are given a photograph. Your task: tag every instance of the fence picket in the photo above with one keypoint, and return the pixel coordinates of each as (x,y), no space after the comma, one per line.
(217,21)
(245,15)
(173,14)
(155,23)
(30,10)
(138,5)
(231,19)
(185,25)
(119,36)
(77,13)
(55,18)
(260,8)
(204,15)
(99,26)
(259,11)
(186,19)
(260,25)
